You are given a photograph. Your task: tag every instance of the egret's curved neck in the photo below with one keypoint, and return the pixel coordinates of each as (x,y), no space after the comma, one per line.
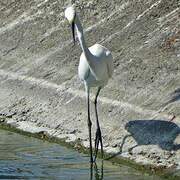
(87,53)
(80,35)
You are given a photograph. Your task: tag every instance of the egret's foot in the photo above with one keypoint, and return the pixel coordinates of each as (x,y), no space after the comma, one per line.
(98,139)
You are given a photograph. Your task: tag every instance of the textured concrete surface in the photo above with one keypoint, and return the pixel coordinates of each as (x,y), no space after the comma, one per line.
(40,89)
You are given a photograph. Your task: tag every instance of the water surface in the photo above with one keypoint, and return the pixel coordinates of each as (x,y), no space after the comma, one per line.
(23,157)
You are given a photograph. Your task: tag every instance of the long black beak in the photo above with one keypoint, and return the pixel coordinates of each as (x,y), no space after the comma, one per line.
(73,32)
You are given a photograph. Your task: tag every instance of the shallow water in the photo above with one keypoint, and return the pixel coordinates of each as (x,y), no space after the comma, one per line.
(23,157)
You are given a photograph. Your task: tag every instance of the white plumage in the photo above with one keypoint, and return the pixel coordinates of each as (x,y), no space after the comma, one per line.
(102,68)
(95,69)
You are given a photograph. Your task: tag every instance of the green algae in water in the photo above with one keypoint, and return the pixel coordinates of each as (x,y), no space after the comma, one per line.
(23,157)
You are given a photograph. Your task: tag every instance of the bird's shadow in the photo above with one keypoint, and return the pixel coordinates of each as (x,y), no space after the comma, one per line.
(152,132)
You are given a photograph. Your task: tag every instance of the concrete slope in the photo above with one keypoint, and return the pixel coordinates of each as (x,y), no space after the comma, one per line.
(40,89)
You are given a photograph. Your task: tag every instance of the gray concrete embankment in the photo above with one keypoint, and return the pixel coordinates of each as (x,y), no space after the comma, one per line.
(40,90)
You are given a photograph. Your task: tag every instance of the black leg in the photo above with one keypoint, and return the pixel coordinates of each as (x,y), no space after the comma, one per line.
(89,125)
(98,138)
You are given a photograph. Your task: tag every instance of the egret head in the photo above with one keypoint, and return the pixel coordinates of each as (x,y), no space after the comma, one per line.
(70,15)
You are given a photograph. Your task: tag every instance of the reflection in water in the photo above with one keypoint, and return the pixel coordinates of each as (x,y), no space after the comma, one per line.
(98,173)
(24,157)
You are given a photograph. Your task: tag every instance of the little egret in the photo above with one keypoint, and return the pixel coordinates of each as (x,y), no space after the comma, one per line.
(95,68)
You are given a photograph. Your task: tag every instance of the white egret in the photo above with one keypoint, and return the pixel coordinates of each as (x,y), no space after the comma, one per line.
(95,68)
